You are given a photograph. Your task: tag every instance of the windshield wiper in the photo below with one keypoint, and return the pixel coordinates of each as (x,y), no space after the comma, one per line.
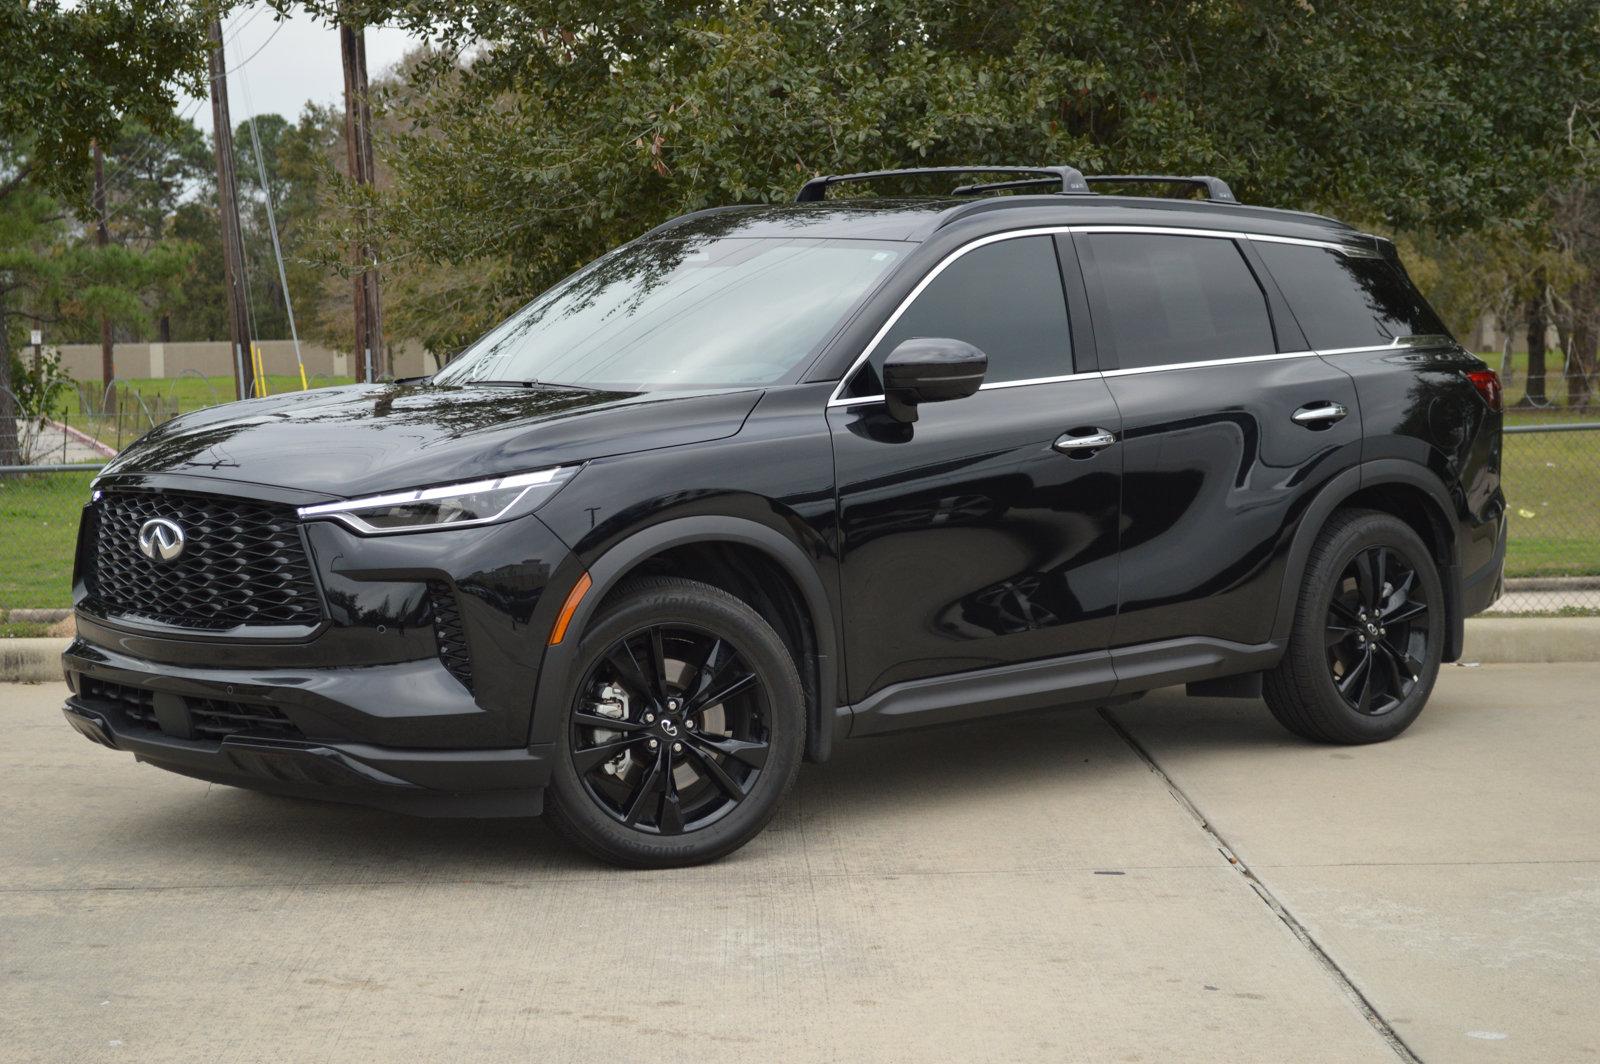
(532,384)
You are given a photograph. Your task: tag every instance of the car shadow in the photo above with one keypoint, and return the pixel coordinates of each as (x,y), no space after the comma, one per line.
(1062,753)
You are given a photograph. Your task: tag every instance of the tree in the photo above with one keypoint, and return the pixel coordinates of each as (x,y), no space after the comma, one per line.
(541,133)
(74,74)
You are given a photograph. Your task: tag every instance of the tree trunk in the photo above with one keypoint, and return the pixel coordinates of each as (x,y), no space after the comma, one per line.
(10,449)
(164,329)
(1534,395)
(102,237)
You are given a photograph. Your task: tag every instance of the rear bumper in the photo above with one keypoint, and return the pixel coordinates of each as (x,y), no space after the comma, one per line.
(1483,588)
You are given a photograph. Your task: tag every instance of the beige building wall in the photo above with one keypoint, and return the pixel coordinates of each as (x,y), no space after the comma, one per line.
(81,362)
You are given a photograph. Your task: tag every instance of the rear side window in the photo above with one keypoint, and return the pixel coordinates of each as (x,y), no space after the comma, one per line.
(1345,301)
(1171,299)
(1003,298)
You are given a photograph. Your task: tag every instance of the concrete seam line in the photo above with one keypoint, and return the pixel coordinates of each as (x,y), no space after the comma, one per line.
(1367,1009)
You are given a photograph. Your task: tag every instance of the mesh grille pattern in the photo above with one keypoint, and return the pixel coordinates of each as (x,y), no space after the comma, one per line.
(209,718)
(243,563)
(451,636)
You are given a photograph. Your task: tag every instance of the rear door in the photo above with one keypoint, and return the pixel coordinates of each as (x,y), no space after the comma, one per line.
(1230,425)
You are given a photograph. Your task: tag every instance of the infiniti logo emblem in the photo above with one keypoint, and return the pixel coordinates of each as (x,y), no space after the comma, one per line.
(669,727)
(160,540)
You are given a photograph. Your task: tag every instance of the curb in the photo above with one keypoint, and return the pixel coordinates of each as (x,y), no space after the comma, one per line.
(31,660)
(1490,641)
(1507,640)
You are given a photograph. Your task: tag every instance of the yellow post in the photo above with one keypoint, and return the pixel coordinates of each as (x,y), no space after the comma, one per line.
(304,387)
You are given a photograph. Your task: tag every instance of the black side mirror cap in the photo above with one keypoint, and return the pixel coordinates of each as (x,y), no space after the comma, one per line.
(930,370)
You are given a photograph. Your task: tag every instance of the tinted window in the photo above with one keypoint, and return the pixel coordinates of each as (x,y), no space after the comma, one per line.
(1177,299)
(1341,301)
(1003,298)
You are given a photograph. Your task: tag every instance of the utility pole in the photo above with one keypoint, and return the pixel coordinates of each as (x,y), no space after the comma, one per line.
(358,150)
(102,237)
(228,212)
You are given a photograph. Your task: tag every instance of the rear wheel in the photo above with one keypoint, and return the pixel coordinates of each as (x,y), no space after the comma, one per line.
(685,728)
(1368,634)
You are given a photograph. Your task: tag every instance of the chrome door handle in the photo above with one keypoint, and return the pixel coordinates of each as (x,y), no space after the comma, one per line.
(1319,415)
(1067,443)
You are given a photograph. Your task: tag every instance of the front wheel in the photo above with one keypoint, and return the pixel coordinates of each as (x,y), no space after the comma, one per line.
(1368,634)
(684,731)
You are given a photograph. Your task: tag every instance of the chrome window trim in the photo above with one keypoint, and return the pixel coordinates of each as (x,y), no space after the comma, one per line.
(1240,360)
(837,399)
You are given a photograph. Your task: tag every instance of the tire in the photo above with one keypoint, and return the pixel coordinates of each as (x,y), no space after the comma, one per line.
(1371,593)
(696,672)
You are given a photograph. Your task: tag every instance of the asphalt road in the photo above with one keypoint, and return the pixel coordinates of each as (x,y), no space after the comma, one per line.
(1177,880)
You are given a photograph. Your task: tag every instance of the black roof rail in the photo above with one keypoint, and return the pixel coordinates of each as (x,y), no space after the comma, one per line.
(1069,178)
(1215,188)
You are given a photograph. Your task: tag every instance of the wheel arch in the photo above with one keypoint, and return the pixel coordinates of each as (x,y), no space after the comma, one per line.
(1407,492)
(711,549)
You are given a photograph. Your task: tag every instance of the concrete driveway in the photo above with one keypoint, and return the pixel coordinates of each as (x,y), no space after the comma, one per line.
(1176,880)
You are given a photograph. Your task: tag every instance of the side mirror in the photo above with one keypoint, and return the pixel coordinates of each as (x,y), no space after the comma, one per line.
(930,370)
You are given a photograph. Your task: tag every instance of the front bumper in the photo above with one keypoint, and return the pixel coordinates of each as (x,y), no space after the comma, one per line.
(494,782)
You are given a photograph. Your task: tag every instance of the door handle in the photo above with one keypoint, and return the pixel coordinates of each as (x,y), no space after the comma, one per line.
(1319,415)
(1083,446)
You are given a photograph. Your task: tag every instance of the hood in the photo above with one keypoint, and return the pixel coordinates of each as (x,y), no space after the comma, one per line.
(371,438)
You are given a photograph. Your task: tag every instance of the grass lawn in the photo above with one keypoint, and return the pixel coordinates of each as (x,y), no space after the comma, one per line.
(39,529)
(1552,486)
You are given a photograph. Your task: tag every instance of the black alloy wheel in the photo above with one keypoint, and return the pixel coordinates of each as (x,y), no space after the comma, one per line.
(1367,636)
(684,731)
(1377,631)
(670,731)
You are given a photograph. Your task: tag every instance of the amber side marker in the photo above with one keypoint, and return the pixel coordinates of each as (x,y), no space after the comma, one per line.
(568,608)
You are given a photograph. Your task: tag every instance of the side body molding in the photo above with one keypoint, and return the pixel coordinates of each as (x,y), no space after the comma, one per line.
(613,566)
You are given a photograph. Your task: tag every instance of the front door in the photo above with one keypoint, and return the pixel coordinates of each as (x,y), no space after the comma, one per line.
(968,539)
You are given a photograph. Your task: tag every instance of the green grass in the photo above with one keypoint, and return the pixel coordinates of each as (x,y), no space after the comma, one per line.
(23,629)
(1552,486)
(39,529)
(1555,386)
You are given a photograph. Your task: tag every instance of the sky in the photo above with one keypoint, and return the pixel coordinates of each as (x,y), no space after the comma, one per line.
(276,67)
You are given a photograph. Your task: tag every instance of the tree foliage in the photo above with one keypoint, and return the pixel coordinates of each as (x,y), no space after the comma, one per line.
(539,133)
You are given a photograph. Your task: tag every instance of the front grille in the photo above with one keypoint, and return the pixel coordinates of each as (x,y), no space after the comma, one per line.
(208,718)
(243,563)
(449,633)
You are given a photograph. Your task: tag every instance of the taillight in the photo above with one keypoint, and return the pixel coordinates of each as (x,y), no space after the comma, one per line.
(1487,381)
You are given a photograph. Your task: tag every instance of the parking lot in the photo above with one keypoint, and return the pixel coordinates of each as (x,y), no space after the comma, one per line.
(1170,880)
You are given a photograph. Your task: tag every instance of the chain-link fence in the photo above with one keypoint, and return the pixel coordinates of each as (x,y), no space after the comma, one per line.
(1551,472)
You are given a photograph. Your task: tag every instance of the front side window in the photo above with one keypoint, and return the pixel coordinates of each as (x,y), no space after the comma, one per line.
(682,312)
(1347,301)
(1173,299)
(1003,298)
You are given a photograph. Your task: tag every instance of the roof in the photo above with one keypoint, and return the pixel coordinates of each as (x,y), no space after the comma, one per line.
(916,219)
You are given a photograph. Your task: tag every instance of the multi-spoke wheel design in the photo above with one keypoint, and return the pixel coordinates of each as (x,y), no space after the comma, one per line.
(1377,631)
(670,730)
(1368,634)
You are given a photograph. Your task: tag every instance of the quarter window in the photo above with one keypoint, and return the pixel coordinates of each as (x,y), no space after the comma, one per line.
(1170,299)
(1003,298)
(1347,301)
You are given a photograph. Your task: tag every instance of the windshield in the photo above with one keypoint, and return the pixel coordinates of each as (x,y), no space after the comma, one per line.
(682,312)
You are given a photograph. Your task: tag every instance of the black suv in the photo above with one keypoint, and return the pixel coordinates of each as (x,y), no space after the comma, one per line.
(771,477)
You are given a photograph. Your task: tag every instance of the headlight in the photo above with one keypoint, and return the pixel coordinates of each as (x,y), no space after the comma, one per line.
(481,502)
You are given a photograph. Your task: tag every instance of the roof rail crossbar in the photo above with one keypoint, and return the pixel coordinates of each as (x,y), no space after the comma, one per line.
(1068,178)
(1214,187)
